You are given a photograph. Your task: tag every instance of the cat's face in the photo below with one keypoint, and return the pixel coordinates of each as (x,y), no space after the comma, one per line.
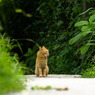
(44,51)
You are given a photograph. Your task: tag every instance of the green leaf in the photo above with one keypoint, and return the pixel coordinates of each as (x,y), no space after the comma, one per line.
(28,15)
(84,49)
(86,32)
(81,23)
(86,11)
(76,38)
(90,43)
(19,47)
(93,22)
(92,18)
(24,13)
(86,28)
(0,1)
(18,10)
(92,40)
(93,33)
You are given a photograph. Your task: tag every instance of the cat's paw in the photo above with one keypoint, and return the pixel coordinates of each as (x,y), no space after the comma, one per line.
(40,75)
(44,75)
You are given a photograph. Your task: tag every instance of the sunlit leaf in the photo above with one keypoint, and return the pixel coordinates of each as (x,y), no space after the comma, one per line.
(84,49)
(86,32)
(90,43)
(0,1)
(86,28)
(18,11)
(21,11)
(81,23)
(76,38)
(28,15)
(92,40)
(93,22)
(92,18)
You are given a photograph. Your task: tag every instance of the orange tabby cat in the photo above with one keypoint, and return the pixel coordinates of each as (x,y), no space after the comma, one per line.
(41,68)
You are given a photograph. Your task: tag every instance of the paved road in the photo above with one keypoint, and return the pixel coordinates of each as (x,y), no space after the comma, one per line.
(75,85)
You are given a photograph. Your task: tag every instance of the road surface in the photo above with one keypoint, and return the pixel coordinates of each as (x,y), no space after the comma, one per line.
(74,84)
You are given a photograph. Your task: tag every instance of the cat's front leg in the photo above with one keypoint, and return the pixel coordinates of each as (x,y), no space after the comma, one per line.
(40,72)
(44,72)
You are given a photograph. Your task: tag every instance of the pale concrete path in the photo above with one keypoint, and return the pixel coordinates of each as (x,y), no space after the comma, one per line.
(75,85)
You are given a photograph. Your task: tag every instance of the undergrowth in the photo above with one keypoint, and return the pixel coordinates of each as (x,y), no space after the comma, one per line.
(89,73)
(11,78)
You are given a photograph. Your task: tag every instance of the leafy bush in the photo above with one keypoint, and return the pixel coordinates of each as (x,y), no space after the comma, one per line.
(87,29)
(51,25)
(85,41)
(53,30)
(10,71)
(89,73)
(29,60)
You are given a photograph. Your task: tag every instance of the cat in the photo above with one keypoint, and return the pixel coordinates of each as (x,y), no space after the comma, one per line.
(41,67)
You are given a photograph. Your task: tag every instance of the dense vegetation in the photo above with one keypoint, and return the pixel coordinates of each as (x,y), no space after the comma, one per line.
(11,76)
(65,27)
(53,25)
(10,71)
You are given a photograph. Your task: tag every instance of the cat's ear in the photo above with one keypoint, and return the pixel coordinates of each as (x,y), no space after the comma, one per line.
(43,47)
(40,48)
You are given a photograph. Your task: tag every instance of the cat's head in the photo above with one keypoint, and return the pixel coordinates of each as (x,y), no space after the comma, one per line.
(44,51)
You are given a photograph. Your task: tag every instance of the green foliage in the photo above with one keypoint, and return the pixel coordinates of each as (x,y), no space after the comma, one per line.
(87,28)
(21,11)
(58,20)
(76,38)
(81,23)
(86,11)
(84,49)
(52,25)
(53,30)
(29,60)
(91,19)
(10,71)
(89,73)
